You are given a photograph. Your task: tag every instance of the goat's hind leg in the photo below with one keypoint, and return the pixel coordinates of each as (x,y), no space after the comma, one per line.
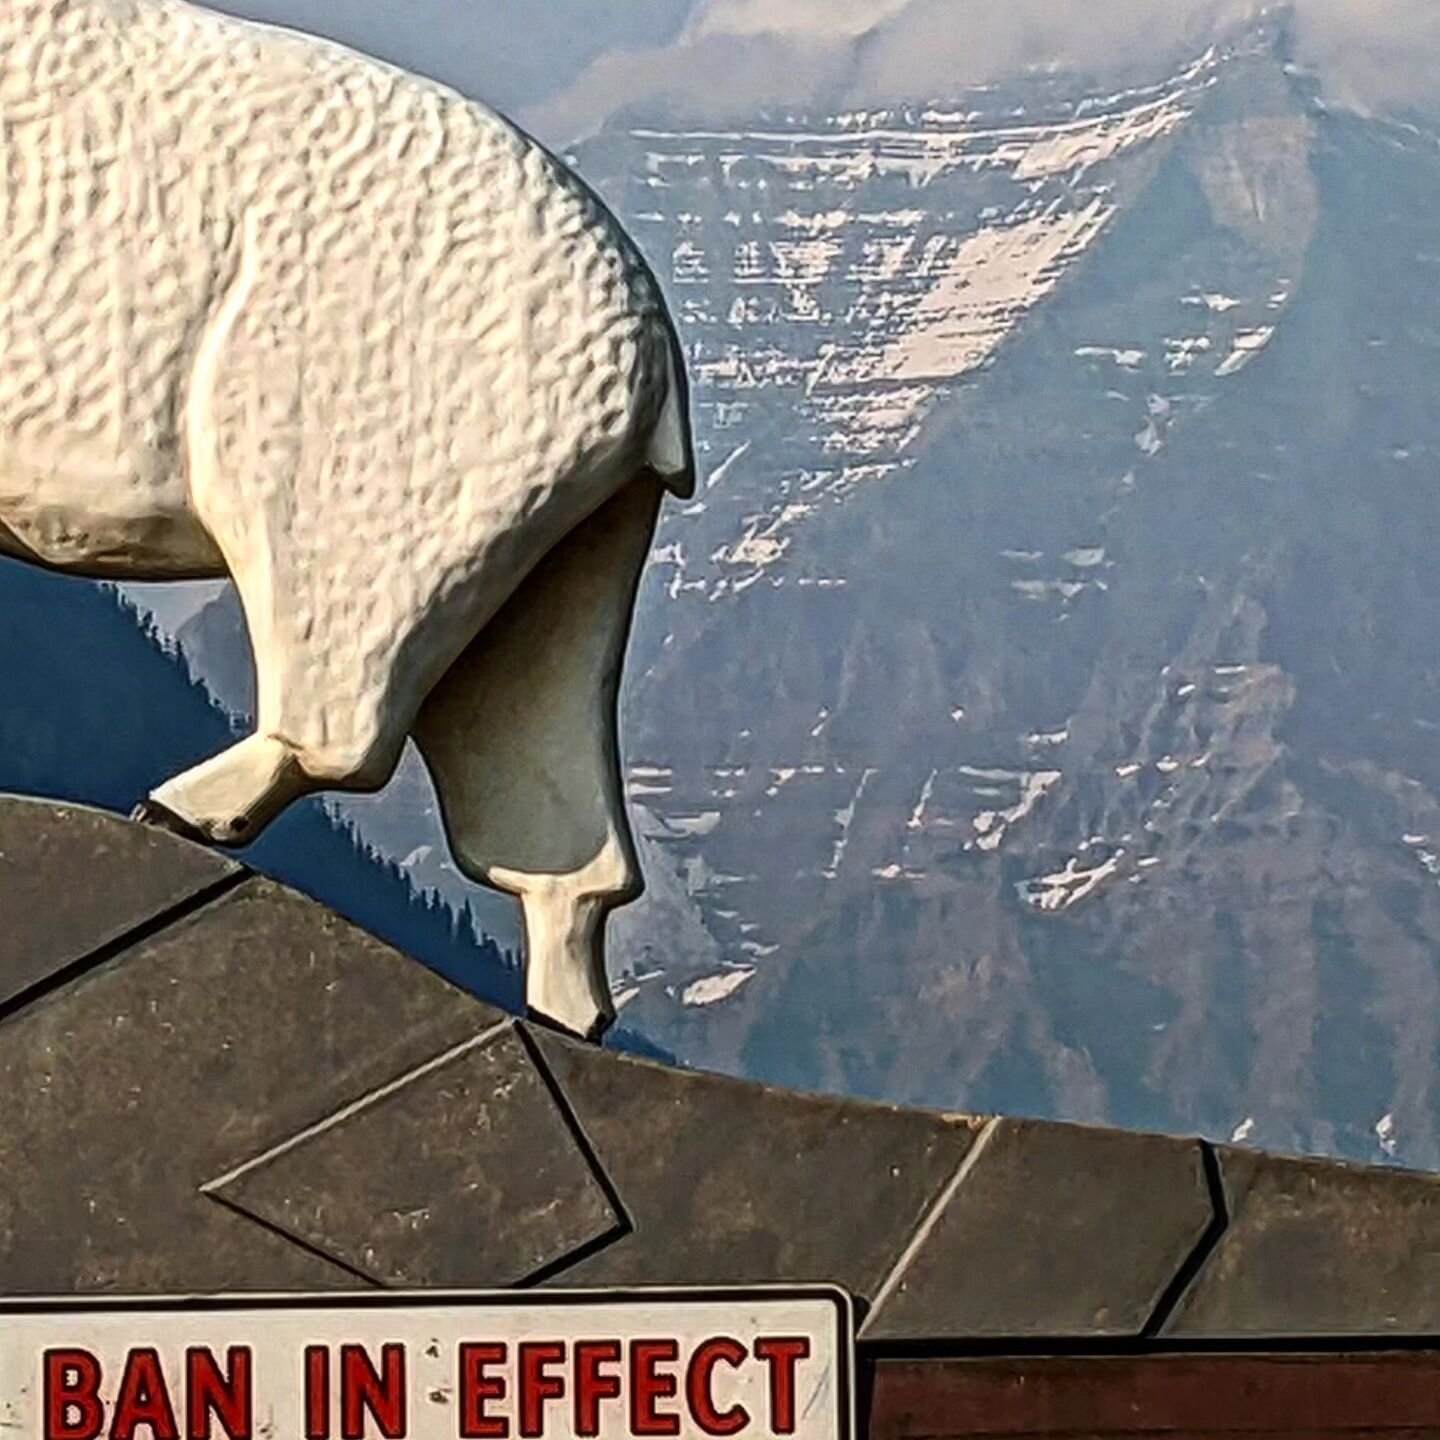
(521,739)
(230,798)
(310,733)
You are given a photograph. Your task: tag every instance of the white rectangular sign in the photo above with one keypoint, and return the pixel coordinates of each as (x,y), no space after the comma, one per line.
(648,1365)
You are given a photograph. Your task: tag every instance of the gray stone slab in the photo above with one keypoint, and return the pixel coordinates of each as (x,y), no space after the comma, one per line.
(1054,1231)
(73,881)
(463,1173)
(358,1120)
(210,1043)
(731,1183)
(1318,1249)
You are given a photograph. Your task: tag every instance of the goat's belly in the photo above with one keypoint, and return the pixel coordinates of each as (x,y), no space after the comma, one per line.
(101,520)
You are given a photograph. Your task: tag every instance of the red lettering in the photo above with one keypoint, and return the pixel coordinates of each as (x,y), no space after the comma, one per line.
(536,1386)
(72,1387)
(699,1387)
(211,1394)
(317,1392)
(782,1356)
(592,1385)
(143,1399)
(647,1385)
(476,1387)
(362,1388)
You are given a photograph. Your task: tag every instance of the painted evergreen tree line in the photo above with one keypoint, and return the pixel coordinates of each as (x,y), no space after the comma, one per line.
(96,708)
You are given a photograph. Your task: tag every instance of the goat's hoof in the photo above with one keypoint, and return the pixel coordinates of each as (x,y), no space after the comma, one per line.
(592,1036)
(161,817)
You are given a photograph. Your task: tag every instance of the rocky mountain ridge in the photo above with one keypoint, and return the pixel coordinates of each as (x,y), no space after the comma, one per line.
(1031,713)
(1035,709)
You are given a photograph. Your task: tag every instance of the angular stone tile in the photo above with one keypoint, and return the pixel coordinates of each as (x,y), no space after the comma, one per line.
(732,1183)
(209,1044)
(1315,1248)
(73,880)
(463,1174)
(1053,1231)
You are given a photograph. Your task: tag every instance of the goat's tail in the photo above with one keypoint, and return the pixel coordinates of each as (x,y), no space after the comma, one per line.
(672,445)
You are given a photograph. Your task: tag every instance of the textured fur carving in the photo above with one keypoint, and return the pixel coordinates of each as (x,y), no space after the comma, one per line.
(273,310)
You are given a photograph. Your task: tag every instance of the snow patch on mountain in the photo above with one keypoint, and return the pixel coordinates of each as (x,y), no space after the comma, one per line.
(839,271)
(711,989)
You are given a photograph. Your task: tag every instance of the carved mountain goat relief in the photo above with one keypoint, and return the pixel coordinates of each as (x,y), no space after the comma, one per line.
(273,311)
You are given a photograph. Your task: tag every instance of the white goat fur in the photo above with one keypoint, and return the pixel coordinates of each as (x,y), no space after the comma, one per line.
(274,310)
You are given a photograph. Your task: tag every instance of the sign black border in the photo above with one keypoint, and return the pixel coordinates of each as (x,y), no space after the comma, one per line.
(838,1299)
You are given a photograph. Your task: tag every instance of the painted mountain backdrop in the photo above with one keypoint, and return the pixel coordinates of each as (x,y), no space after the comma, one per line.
(1038,708)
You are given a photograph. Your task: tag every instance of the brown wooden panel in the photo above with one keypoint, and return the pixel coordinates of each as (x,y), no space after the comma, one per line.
(1177,1397)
